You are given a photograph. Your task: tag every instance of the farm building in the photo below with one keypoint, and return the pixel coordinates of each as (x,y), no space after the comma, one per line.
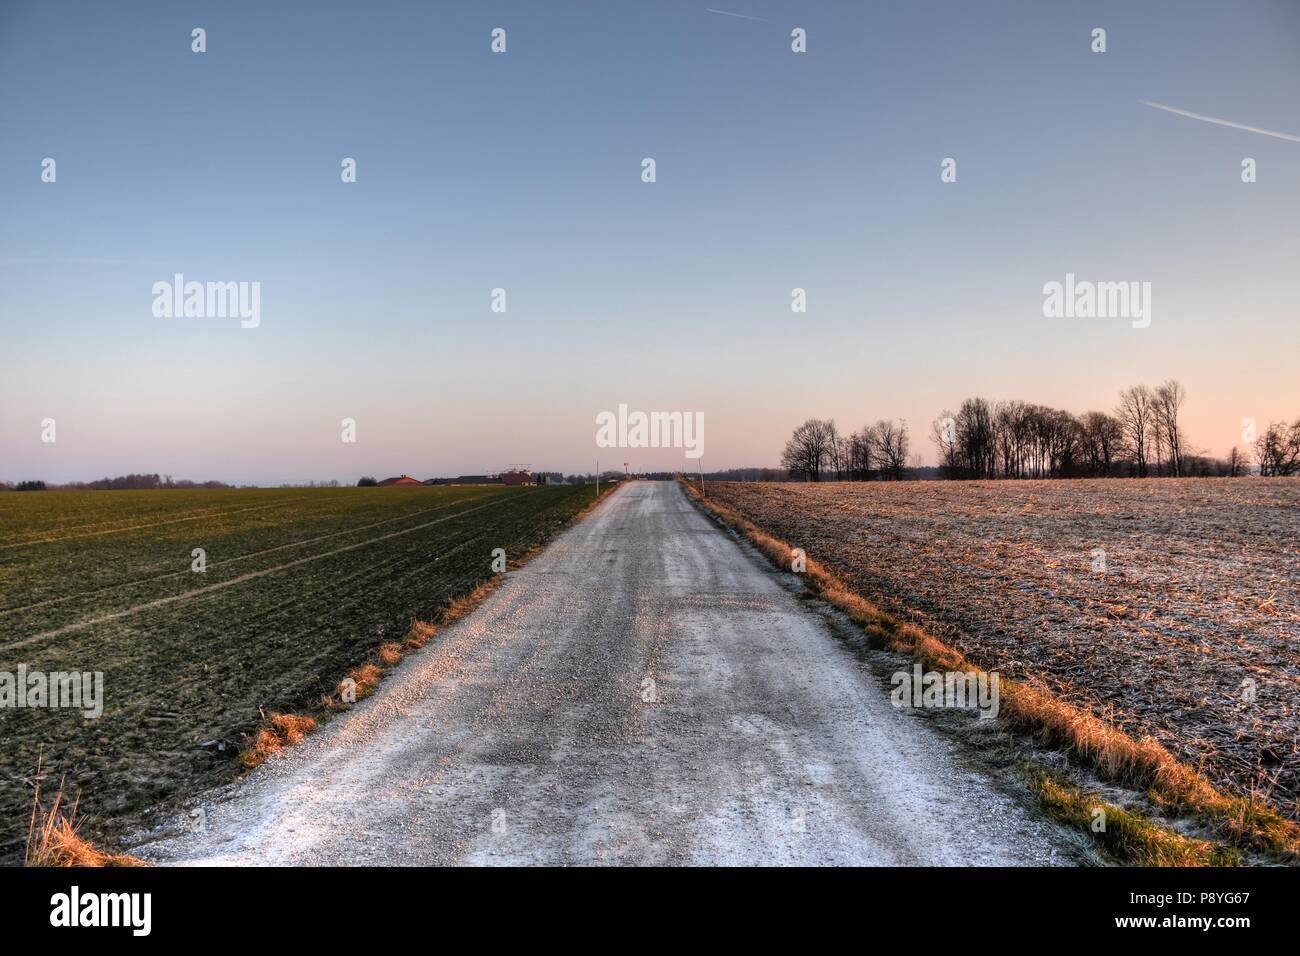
(466,480)
(515,476)
(399,480)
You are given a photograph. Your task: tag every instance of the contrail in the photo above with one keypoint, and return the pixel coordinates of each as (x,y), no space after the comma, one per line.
(1221,122)
(743,16)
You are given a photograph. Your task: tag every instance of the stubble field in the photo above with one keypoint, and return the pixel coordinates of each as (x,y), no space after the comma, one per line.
(300,586)
(1172,606)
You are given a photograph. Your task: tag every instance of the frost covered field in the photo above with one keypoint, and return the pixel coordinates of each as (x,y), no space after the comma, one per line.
(1171,605)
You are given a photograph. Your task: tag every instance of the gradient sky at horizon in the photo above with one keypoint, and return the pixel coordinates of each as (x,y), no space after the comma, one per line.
(522,170)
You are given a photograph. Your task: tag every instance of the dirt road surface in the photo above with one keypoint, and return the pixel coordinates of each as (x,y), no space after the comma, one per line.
(530,733)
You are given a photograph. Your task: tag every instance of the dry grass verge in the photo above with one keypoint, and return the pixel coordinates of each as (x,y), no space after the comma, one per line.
(279,730)
(1126,837)
(1034,710)
(54,839)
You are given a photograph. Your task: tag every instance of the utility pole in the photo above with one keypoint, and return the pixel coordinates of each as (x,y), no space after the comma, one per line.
(597,478)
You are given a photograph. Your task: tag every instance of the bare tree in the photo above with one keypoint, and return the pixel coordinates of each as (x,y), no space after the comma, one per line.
(809,449)
(860,454)
(889,446)
(1235,463)
(975,435)
(1278,450)
(1136,413)
(943,432)
(846,457)
(1102,441)
(1167,402)
(836,451)
(1011,435)
(1064,434)
(967,441)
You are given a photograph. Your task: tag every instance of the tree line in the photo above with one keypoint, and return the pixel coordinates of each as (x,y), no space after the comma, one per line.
(817,449)
(145,482)
(1142,436)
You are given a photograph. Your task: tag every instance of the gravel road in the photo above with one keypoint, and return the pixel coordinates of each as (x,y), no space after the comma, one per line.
(530,733)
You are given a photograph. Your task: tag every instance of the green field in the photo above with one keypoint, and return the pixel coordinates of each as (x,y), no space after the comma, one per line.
(300,586)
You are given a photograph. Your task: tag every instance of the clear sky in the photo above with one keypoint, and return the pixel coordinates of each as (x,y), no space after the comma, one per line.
(522,170)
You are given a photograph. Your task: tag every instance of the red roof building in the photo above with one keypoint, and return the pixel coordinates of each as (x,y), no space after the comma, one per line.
(400,480)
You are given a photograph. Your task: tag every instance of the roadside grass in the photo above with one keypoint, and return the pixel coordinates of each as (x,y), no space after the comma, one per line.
(1126,837)
(1033,710)
(419,635)
(54,838)
(279,730)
